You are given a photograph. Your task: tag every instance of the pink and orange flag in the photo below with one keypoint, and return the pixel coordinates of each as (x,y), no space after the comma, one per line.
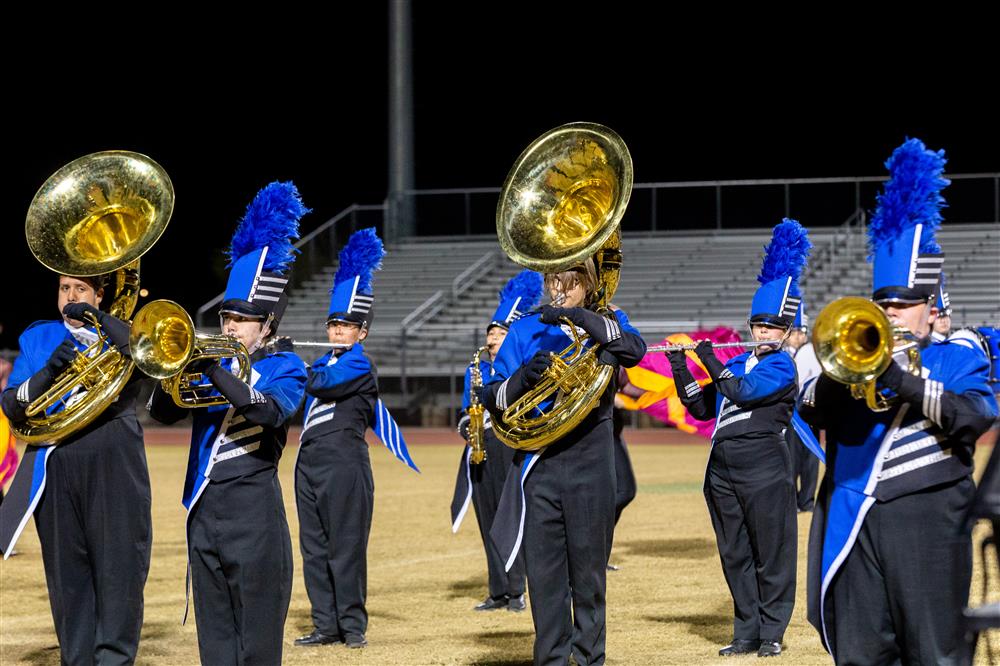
(8,450)
(650,386)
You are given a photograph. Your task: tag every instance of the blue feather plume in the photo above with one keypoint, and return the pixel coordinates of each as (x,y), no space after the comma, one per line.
(527,285)
(361,256)
(911,196)
(272,220)
(786,254)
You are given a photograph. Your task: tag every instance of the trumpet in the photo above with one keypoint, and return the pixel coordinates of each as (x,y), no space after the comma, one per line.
(855,343)
(164,343)
(715,345)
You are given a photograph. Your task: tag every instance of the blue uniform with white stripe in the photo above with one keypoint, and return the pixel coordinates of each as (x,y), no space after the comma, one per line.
(335,490)
(748,486)
(239,546)
(568,514)
(890,550)
(91,484)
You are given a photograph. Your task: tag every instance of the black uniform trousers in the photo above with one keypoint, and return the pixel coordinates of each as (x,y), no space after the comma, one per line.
(241,559)
(569,524)
(899,595)
(625,484)
(752,504)
(488,481)
(95,527)
(335,497)
(805,470)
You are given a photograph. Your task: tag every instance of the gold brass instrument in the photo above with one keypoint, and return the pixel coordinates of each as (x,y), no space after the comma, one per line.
(855,342)
(164,343)
(96,215)
(477,429)
(561,204)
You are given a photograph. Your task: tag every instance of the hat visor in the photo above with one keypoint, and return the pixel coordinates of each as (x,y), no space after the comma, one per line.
(242,308)
(899,296)
(770,320)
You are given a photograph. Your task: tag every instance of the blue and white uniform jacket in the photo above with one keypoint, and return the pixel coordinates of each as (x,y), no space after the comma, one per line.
(926,439)
(227,442)
(37,344)
(340,395)
(751,396)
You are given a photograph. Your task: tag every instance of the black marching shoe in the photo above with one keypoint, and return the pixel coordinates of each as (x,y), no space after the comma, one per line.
(516,604)
(356,641)
(769,649)
(739,646)
(317,638)
(490,604)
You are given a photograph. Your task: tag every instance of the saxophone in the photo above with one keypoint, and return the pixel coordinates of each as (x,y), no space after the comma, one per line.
(477,430)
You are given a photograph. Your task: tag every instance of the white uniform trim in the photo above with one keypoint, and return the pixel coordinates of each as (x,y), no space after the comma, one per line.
(468,495)
(256,276)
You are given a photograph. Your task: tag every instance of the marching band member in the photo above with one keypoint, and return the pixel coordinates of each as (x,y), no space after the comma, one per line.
(482,483)
(748,481)
(334,488)
(81,489)
(890,547)
(239,549)
(569,487)
(805,465)
(941,328)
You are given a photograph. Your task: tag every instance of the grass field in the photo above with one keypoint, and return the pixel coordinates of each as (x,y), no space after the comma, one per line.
(667,605)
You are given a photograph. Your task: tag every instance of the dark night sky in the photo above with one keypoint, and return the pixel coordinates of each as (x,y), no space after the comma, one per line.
(724,105)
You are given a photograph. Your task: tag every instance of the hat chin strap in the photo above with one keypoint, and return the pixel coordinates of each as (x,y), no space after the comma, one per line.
(260,337)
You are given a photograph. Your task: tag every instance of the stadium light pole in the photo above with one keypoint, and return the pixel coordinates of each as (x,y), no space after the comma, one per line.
(401,210)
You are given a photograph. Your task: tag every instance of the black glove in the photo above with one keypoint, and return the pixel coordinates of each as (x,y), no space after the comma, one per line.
(61,357)
(463,427)
(202,365)
(893,377)
(601,329)
(116,330)
(551,314)
(677,358)
(79,312)
(704,349)
(535,368)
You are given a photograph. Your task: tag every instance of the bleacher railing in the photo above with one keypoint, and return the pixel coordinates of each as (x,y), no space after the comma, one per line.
(722,204)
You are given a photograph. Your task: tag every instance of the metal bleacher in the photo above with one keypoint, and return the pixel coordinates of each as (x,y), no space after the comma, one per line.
(435,295)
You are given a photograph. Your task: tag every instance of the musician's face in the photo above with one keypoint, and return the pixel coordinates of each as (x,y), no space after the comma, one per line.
(494,338)
(345,333)
(247,330)
(917,318)
(797,338)
(767,333)
(72,290)
(573,297)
